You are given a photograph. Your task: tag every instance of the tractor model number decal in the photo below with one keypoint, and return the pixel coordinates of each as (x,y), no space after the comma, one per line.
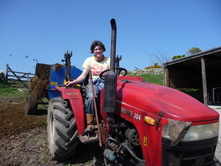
(131,114)
(137,116)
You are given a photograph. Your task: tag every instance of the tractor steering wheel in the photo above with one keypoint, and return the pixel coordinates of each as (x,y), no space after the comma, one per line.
(101,75)
(119,70)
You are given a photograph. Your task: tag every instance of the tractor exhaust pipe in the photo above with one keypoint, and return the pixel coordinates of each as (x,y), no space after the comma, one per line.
(111,76)
(113,44)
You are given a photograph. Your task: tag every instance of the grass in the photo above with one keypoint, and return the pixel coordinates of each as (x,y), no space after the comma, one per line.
(7,90)
(157,79)
(152,78)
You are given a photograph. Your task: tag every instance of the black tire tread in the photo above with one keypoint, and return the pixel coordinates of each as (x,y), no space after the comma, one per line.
(65,126)
(61,120)
(58,107)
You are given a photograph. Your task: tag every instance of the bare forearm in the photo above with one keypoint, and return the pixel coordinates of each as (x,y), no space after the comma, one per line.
(81,77)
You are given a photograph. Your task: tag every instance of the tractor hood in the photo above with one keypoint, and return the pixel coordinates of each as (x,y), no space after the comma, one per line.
(154,99)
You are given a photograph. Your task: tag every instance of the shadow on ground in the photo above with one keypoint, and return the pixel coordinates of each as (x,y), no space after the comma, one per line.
(87,154)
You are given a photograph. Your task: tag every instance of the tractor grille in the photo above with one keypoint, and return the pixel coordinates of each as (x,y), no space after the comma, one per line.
(197,153)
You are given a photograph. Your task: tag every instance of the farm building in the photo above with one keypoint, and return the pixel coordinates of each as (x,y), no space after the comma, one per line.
(197,75)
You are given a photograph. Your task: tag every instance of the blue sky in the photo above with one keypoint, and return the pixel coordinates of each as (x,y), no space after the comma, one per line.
(148,31)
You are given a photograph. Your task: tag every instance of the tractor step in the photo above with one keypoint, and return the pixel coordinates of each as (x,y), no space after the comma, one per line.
(88,139)
(90,135)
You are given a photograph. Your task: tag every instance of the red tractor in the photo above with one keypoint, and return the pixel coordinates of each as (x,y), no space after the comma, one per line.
(138,123)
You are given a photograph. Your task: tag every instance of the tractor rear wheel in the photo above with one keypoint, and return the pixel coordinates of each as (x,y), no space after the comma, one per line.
(62,131)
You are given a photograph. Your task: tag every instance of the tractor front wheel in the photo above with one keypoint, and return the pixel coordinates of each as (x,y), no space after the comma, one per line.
(62,131)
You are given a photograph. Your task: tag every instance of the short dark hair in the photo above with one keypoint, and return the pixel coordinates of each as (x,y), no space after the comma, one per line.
(97,43)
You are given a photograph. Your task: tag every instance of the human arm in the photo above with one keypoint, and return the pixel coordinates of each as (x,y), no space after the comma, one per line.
(80,78)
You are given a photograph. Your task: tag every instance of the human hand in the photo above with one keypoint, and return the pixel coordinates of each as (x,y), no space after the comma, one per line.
(69,83)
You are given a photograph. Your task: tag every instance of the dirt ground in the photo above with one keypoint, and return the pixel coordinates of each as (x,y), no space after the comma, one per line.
(23,139)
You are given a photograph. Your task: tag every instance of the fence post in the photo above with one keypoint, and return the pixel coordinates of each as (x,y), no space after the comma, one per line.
(6,73)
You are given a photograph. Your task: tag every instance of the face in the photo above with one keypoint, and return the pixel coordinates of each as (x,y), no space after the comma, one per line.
(98,52)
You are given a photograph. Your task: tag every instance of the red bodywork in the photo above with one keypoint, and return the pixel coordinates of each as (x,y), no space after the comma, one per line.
(76,101)
(137,99)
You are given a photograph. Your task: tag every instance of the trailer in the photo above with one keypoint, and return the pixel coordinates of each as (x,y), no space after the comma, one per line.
(42,85)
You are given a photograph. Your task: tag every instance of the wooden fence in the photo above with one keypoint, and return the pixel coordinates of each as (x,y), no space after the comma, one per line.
(22,77)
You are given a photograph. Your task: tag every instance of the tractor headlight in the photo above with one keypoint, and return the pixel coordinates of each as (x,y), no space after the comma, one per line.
(183,131)
(201,132)
(174,130)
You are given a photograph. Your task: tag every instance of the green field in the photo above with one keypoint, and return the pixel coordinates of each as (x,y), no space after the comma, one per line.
(7,90)
(157,79)
(152,78)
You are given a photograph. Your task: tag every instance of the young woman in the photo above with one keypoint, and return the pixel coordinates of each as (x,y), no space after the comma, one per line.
(95,65)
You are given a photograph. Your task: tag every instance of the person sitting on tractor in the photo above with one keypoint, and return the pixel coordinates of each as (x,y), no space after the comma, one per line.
(95,65)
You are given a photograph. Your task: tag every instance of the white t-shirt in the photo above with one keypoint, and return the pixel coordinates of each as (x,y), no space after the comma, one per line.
(96,67)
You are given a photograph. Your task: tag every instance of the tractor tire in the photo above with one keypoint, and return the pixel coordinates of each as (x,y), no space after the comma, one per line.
(62,132)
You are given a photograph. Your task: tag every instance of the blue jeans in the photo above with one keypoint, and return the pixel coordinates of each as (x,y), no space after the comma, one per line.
(89,105)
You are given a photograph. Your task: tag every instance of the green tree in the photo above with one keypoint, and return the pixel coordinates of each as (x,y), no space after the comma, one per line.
(178,56)
(193,50)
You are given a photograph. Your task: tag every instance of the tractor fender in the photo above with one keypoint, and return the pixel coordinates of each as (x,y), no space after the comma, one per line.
(73,95)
